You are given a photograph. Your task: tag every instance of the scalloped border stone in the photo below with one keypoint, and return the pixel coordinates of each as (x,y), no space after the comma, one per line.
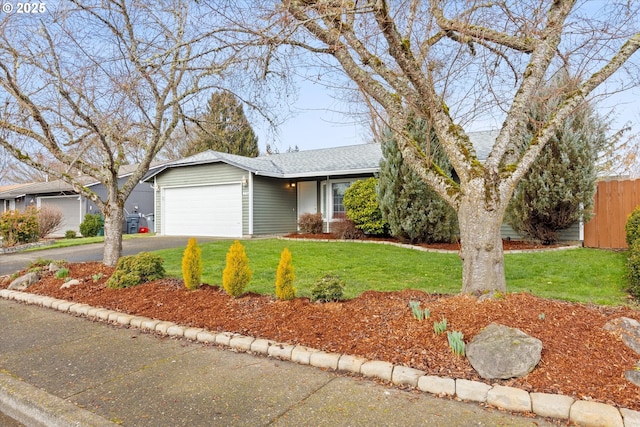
(557,406)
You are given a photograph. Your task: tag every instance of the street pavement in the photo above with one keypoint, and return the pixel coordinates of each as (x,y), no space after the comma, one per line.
(68,370)
(12,262)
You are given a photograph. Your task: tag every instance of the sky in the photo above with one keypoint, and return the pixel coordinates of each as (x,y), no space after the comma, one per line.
(318,122)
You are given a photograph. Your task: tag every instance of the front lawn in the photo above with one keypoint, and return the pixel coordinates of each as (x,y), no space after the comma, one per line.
(582,275)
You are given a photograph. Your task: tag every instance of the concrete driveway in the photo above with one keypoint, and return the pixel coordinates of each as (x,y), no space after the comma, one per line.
(10,263)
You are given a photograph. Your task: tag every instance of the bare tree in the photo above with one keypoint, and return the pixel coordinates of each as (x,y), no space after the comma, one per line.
(88,83)
(455,63)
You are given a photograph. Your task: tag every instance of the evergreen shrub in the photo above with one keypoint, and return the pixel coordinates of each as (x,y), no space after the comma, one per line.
(311,223)
(285,277)
(19,227)
(192,265)
(633,269)
(70,234)
(362,207)
(133,270)
(329,288)
(91,225)
(632,227)
(236,274)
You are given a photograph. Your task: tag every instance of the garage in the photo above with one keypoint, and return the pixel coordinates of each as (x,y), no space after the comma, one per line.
(212,210)
(70,206)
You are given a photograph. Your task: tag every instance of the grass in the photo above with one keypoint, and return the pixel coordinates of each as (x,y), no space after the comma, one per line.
(581,275)
(78,241)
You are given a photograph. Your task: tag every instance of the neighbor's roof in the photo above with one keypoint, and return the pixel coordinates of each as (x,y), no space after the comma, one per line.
(347,160)
(58,185)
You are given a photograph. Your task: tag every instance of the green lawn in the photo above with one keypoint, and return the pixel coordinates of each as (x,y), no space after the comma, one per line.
(65,243)
(584,275)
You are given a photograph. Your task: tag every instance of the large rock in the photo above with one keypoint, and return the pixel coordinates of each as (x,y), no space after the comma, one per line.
(628,329)
(502,352)
(23,282)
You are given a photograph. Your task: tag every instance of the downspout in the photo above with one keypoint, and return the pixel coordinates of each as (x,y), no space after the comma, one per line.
(250,203)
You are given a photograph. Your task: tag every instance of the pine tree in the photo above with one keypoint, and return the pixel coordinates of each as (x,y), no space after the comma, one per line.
(558,190)
(225,128)
(414,211)
(285,277)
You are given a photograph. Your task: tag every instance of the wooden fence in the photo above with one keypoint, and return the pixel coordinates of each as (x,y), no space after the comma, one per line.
(614,201)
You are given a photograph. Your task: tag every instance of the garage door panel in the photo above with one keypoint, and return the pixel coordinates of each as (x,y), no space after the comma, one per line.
(70,207)
(203,211)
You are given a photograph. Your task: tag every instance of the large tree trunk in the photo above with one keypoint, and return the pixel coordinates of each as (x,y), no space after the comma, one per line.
(113,218)
(481,244)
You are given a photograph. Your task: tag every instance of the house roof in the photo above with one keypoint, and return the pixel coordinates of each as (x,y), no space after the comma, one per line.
(58,185)
(364,158)
(346,160)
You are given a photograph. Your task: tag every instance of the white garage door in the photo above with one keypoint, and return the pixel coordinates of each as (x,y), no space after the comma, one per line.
(214,210)
(70,206)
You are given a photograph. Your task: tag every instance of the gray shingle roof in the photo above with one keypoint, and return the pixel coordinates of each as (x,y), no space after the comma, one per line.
(352,159)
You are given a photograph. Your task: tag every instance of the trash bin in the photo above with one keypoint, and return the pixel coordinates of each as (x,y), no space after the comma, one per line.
(133,222)
(150,224)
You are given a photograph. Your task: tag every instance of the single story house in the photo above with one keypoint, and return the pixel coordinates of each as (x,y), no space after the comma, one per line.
(226,195)
(74,206)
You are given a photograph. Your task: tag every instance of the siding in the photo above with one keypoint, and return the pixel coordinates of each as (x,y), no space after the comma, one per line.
(571,234)
(216,173)
(274,206)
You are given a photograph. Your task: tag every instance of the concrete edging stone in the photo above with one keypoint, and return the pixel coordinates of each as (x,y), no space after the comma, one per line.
(582,412)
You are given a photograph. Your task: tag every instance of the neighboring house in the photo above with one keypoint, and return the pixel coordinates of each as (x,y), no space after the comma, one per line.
(226,195)
(73,205)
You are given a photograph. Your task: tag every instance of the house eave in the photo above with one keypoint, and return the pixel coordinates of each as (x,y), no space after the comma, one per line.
(322,173)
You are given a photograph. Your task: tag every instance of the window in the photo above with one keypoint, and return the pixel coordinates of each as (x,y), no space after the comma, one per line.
(338,189)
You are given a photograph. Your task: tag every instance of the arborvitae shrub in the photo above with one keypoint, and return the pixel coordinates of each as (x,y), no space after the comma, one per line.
(311,223)
(133,270)
(632,227)
(236,274)
(633,269)
(285,277)
(192,265)
(329,288)
(362,207)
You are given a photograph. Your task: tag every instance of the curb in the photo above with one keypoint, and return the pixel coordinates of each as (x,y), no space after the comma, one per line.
(582,412)
(423,249)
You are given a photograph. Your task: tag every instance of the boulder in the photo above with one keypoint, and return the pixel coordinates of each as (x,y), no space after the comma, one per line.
(633,376)
(70,283)
(501,352)
(53,267)
(23,282)
(628,329)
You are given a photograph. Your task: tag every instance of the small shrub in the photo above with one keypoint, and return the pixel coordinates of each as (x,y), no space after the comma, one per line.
(97,277)
(633,269)
(50,219)
(70,234)
(329,288)
(456,342)
(236,274)
(440,327)
(19,227)
(192,265)
(91,225)
(346,229)
(62,273)
(632,227)
(285,277)
(133,270)
(311,223)
(41,262)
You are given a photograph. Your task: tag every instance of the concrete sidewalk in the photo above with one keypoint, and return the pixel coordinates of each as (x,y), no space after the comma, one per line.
(58,369)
